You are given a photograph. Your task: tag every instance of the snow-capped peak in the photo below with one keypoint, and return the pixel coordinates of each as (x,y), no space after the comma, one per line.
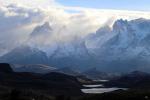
(120,26)
(42,29)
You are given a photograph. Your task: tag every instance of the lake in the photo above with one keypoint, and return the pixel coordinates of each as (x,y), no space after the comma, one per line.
(96,89)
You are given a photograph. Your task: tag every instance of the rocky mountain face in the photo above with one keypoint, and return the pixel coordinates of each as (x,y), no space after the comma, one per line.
(126,48)
(120,48)
(25,55)
(72,54)
(43,29)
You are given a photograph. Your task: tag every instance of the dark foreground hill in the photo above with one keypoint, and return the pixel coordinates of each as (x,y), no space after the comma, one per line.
(51,83)
(135,79)
(5,68)
(58,86)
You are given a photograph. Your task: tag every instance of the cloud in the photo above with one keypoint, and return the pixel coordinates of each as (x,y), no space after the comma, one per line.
(31,3)
(17,21)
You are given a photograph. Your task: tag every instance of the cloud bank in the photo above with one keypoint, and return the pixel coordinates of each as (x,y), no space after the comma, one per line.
(18,20)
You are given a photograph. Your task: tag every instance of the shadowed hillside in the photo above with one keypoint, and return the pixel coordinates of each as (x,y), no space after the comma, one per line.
(52,83)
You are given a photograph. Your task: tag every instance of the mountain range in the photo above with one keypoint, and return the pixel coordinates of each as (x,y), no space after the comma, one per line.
(122,47)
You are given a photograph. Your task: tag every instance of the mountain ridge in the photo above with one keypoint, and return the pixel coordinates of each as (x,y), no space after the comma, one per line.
(122,48)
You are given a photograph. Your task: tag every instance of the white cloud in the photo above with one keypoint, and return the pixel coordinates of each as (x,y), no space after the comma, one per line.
(16,23)
(31,3)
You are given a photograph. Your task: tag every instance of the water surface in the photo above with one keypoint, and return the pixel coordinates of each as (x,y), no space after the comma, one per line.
(100,90)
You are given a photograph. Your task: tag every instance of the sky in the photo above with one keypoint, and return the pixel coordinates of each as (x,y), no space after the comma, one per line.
(142,5)
(68,19)
(138,5)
